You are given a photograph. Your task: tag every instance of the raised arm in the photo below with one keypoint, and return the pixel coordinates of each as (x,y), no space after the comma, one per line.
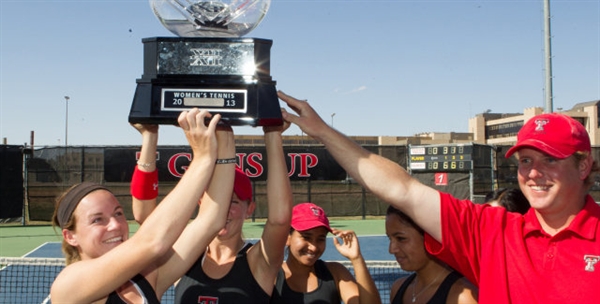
(270,252)
(143,198)
(158,233)
(211,217)
(350,249)
(383,177)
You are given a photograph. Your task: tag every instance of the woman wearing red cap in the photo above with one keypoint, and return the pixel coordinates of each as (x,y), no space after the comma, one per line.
(231,270)
(104,265)
(304,278)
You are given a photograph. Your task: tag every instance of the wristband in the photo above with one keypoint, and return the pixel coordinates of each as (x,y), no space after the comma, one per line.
(145,165)
(226,161)
(144,185)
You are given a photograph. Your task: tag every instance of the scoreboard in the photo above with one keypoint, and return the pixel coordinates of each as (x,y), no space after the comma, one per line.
(452,157)
(465,170)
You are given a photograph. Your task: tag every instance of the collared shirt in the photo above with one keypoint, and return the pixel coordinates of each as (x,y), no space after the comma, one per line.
(512,259)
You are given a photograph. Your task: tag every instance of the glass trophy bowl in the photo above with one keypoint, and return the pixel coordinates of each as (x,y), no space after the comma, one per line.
(227,18)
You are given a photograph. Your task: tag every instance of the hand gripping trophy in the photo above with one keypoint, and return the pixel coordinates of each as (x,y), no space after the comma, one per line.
(209,66)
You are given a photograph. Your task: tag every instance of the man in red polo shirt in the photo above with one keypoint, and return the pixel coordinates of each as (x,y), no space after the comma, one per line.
(549,255)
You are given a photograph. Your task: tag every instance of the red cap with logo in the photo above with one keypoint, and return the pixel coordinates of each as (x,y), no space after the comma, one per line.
(242,185)
(555,134)
(307,216)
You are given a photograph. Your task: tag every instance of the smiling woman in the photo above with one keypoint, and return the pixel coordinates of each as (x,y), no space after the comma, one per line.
(141,268)
(306,278)
(92,217)
(432,281)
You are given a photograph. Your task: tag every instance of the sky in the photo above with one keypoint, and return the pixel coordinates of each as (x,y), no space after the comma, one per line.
(370,68)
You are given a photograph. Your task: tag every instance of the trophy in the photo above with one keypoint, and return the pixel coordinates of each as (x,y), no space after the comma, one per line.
(208,66)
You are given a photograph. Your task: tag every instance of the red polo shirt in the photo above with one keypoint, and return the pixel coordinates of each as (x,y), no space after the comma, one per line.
(513,260)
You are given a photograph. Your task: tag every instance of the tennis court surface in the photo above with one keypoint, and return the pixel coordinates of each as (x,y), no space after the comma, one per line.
(28,279)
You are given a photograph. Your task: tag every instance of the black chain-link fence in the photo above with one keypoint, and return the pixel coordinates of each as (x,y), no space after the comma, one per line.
(53,170)
(315,176)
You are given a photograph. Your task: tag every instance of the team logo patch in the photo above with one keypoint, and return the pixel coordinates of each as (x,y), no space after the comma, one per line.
(590,261)
(540,123)
(315,211)
(208,300)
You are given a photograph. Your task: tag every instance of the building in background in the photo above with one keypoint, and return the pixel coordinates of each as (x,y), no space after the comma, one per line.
(485,128)
(502,129)
(429,138)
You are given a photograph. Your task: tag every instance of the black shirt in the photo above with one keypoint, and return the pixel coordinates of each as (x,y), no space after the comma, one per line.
(441,294)
(325,293)
(237,286)
(146,291)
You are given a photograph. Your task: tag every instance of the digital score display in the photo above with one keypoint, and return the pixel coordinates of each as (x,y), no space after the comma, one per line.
(441,158)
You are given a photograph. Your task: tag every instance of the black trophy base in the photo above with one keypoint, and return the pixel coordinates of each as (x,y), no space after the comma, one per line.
(258,103)
(206,73)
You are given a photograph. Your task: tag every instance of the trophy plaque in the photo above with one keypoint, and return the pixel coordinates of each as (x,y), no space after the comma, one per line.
(208,66)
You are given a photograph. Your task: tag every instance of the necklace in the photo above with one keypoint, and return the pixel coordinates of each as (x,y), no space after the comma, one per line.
(414,296)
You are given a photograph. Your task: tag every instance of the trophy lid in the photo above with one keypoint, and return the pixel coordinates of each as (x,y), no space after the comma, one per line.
(225,18)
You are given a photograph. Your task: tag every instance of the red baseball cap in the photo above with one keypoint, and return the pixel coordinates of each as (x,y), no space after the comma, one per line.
(307,216)
(242,185)
(555,134)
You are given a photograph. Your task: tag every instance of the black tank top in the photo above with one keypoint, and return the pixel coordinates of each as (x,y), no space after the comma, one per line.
(325,293)
(441,294)
(237,286)
(145,289)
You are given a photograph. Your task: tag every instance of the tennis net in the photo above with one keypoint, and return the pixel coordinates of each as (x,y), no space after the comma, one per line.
(28,280)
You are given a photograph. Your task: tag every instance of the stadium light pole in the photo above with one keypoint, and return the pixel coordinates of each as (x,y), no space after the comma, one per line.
(67,120)
(549,102)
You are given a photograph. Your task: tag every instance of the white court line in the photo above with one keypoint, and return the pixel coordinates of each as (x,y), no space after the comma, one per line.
(40,246)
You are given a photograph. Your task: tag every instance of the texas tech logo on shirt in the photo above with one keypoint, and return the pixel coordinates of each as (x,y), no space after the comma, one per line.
(208,300)
(590,261)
